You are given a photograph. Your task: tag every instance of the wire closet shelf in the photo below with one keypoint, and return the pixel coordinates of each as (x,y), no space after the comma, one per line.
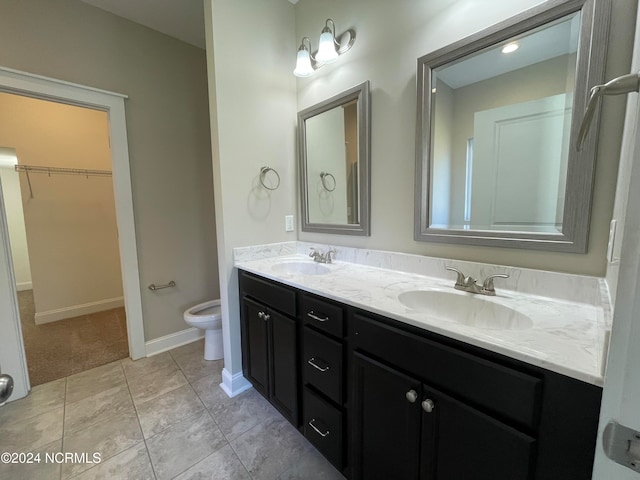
(59,171)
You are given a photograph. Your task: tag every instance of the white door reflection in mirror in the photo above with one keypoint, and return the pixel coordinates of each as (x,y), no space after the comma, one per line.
(494,160)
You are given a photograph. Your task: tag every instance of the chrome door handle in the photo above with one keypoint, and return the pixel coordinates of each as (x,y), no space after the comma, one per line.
(6,388)
(316,428)
(312,362)
(311,314)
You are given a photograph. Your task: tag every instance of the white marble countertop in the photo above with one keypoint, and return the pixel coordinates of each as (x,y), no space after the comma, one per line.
(566,337)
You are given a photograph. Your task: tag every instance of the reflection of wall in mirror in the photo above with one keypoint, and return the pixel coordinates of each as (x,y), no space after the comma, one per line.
(441,155)
(326,153)
(351,147)
(540,80)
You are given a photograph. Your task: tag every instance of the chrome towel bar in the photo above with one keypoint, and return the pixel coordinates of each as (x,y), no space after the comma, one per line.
(153,287)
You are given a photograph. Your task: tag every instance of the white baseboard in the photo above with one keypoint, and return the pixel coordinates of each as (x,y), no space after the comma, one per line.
(173,340)
(78,310)
(22,286)
(234,384)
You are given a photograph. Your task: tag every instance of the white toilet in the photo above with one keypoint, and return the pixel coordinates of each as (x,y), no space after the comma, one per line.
(208,317)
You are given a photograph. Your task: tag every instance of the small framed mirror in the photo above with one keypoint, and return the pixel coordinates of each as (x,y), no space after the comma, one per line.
(334,142)
(498,115)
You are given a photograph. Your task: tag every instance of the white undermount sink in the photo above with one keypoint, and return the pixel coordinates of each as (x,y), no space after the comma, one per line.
(301,267)
(465,308)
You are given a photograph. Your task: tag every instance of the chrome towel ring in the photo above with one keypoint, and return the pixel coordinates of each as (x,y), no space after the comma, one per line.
(323,178)
(263,173)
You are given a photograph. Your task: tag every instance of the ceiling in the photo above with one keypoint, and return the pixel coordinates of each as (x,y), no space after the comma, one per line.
(181,19)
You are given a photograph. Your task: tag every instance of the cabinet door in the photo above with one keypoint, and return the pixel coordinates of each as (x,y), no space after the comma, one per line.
(284,385)
(257,341)
(387,422)
(459,442)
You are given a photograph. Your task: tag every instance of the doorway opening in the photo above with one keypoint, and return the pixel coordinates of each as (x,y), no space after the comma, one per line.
(12,355)
(60,208)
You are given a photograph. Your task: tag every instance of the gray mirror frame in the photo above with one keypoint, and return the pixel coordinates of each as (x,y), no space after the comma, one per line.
(581,165)
(361,93)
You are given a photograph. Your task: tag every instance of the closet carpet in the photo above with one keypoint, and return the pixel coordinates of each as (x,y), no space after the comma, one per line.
(59,349)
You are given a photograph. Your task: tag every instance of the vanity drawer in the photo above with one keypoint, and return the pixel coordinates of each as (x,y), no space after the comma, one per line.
(322,365)
(322,315)
(277,296)
(322,426)
(502,391)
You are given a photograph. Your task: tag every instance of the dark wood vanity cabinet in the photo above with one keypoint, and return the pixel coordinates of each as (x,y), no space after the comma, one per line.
(381,399)
(270,343)
(323,377)
(429,410)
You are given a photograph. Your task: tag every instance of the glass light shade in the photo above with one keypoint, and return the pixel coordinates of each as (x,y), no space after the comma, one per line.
(303,64)
(327,49)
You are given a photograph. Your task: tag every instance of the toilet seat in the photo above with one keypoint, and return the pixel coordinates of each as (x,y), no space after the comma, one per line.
(205,313)
(208,317)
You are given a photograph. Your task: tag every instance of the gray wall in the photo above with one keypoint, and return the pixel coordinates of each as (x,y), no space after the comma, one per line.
(167,127)
(390,37)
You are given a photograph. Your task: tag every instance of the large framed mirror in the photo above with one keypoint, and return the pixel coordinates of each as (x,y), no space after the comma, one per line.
(498,115)
(334,142)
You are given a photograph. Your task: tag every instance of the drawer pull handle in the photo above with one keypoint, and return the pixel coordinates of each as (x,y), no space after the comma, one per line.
(316,429)
(312,362)
(311,314)
(428,405)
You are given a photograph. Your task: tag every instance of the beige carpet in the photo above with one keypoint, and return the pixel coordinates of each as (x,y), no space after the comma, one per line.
(58,349)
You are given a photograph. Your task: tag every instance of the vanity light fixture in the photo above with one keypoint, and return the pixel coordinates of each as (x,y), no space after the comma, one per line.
(329,49)
(304,67)
(510,47)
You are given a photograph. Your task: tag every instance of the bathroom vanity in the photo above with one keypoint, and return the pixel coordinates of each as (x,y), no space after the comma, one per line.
(382,396)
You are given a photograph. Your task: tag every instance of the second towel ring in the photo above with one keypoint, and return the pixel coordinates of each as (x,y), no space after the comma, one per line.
(323,178)
(263,172)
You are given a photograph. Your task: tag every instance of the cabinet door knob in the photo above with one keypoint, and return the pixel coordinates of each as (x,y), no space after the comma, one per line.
(428,405)
(412,396)
(266,317)
(261,315)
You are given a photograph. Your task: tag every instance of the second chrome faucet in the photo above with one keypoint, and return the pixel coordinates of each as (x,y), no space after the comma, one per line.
(320,257)
(468,283)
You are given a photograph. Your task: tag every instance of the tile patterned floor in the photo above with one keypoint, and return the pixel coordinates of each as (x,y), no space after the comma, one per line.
(161,417)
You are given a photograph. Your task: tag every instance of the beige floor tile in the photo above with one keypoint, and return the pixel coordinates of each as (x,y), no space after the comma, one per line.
(184,444)
(41,399)
(22,435)
(106,438)
(132,464)
(270,448)
(167,409)
(94,381)
(159,382)
(239,414)
(220,465)
(96,408)
(137,369)
(40,469)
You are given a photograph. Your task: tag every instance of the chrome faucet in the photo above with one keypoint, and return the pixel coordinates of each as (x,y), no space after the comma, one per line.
(468,283)
(320,257)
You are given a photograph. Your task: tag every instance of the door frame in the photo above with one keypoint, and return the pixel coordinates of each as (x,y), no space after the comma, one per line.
(36,86)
